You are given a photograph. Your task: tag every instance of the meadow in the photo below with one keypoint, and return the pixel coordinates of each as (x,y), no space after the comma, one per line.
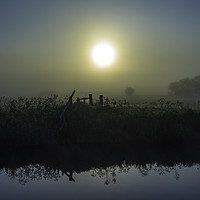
(36,121)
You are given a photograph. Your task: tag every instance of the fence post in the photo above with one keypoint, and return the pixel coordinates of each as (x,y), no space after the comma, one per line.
(90,99)
(62,114)
(101,100)
(70,100)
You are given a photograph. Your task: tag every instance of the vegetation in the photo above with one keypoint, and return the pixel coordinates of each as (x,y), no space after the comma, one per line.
(35,121)
(27,121)
(129,91)
(186,87)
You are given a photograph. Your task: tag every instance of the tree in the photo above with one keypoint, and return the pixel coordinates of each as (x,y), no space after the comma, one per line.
(129,91)
(185,87)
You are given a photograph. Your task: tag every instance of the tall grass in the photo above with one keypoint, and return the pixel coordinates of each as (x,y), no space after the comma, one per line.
(35,121)
(29,120)
(159,121)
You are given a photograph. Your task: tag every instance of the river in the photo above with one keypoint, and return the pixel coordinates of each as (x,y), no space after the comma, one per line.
(99,173)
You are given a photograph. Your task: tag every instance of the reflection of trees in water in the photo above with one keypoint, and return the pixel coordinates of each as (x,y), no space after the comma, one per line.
(160,169)
(29,173)
(38,172)
(110,173)
(163,170)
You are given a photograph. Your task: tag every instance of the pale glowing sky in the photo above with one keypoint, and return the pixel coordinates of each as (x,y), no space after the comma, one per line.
(45,45)
(103,55)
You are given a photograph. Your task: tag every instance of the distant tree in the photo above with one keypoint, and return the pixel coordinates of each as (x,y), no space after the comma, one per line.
(196,85)
(185,87)
(129,91)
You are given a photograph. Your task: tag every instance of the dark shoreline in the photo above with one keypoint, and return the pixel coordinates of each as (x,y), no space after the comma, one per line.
(36,122)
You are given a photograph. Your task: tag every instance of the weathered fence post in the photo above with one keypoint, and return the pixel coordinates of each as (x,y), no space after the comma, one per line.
(90,99)
(101,100)
(62,115)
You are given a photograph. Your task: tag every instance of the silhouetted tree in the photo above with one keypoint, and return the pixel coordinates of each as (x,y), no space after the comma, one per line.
(129,91)
(185,87)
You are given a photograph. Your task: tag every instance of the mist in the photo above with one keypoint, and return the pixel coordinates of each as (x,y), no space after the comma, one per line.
(46,46)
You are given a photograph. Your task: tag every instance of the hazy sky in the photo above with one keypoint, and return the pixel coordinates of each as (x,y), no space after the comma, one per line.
(45,45)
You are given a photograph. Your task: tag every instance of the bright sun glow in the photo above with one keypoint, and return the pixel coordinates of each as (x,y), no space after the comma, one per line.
(103,55)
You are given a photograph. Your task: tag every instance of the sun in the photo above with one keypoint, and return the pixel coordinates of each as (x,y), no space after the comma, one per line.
(103,55)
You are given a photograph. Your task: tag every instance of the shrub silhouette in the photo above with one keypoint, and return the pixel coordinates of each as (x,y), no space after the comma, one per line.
(35,121)
(185,87)
(129,91)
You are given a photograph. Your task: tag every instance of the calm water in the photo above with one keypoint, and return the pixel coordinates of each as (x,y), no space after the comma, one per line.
(70,175)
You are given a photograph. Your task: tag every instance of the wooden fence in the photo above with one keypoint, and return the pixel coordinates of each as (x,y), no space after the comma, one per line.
(83,99)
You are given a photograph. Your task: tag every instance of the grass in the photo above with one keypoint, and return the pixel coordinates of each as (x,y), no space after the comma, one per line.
(35,121)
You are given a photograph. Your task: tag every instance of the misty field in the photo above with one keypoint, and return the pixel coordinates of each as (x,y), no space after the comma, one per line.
(36,121)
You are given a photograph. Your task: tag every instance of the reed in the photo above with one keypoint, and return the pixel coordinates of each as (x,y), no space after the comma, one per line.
(35,121)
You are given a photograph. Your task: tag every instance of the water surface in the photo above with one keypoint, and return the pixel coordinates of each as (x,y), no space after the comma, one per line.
(71,174)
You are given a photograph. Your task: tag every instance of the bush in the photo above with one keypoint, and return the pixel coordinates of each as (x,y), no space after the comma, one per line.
(36,121)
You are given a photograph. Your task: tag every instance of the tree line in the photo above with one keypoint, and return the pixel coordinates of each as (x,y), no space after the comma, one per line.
(187,87)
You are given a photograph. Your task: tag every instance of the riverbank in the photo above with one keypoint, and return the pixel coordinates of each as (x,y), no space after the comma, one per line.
(36,121)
